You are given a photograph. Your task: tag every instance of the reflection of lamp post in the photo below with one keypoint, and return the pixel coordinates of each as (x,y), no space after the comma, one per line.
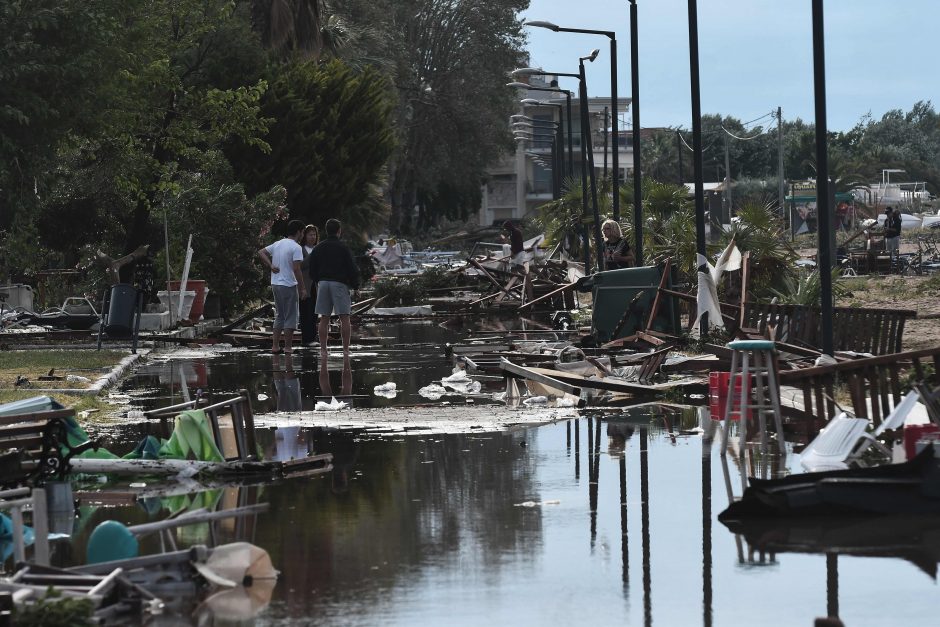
(613,95)
(567,115)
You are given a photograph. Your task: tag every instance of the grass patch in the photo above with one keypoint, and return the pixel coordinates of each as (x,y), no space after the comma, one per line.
(79,402)
(33,363)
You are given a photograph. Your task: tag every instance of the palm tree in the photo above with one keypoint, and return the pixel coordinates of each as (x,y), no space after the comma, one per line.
(289,26)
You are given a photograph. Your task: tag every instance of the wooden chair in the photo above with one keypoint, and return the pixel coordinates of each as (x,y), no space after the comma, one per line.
(233,414)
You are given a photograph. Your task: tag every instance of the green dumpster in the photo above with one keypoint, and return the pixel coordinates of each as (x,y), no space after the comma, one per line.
(614,291)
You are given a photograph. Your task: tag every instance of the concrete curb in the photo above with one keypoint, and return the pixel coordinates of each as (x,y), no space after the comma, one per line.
(103,382)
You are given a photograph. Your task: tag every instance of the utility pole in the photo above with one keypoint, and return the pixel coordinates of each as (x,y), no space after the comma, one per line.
(781,184)
(695,84)
(606,134)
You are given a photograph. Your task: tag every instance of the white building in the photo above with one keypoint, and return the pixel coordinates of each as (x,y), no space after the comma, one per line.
(518,183)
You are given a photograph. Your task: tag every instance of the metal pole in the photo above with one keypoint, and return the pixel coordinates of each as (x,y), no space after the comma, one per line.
(635,105)
(697,149)
(679,152)
(606,134)
(586,132)
(824,210)
(727,176)
(570,138)
(585,238)
(780,182)
(615,127)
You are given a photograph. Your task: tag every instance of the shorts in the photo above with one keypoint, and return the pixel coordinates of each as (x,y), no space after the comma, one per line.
(286,306)
(893,244)
(333,298)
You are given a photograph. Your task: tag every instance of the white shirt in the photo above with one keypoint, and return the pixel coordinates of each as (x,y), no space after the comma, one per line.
(283,255)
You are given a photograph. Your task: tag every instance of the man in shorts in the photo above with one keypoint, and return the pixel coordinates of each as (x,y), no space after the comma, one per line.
(893,232)
(283,258)
(334,272)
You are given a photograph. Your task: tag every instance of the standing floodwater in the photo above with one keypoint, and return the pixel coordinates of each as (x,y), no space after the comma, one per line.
(589,521)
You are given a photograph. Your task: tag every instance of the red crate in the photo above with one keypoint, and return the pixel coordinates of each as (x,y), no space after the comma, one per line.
(913,433)
(718,383)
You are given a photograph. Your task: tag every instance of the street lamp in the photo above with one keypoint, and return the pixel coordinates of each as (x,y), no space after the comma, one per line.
(567,115)
(613,95)
(586,140)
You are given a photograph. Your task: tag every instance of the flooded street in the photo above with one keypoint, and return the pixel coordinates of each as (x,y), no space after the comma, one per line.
(607,518)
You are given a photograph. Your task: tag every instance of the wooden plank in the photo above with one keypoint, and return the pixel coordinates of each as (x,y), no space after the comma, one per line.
(610,384)
(535,301)
(654,310)
(539,375)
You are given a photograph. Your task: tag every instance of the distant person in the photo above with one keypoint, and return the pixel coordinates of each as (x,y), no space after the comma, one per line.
(617,252)
(333,269)
(516,247)
(283,258)
(308,316)
(893,231)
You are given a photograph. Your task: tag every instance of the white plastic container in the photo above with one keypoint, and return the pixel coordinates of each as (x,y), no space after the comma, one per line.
(17,295)
(188,297)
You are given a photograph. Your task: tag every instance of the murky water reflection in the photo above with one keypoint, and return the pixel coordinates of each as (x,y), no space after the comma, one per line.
(591,521)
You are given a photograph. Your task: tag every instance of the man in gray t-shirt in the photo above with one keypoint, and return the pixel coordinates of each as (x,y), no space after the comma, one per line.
(283,258)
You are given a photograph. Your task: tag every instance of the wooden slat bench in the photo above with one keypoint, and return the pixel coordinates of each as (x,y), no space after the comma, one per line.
(863,330)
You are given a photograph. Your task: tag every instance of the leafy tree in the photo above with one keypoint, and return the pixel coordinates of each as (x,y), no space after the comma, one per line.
(329,141)
(451,65)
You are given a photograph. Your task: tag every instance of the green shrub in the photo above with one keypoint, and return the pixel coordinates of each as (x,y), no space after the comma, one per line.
(54,610)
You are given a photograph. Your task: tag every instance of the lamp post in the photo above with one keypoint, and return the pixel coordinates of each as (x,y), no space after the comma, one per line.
(824,210)
(567,116)
(635,108)
(613,96)
(697,151)
(586,140)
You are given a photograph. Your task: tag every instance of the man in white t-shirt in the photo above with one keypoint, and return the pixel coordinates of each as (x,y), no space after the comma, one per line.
(283,258)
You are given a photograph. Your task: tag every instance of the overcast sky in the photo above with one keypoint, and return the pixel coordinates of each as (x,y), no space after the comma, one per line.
(754,55)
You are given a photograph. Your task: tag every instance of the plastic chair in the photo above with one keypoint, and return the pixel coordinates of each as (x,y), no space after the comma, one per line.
(843,439)
(846,438)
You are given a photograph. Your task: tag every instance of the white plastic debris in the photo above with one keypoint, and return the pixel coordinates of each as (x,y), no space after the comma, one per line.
(535,400)
(135,414)
(262,396)
(825,360)
(386,390)
(458,377)
(566,401)
(333,405)
(74,378)
(432,392)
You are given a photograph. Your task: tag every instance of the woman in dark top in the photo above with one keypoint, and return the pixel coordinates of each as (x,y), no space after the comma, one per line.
(617,252)
(308,319)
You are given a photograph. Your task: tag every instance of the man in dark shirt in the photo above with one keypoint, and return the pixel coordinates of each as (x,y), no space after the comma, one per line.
(334,273)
